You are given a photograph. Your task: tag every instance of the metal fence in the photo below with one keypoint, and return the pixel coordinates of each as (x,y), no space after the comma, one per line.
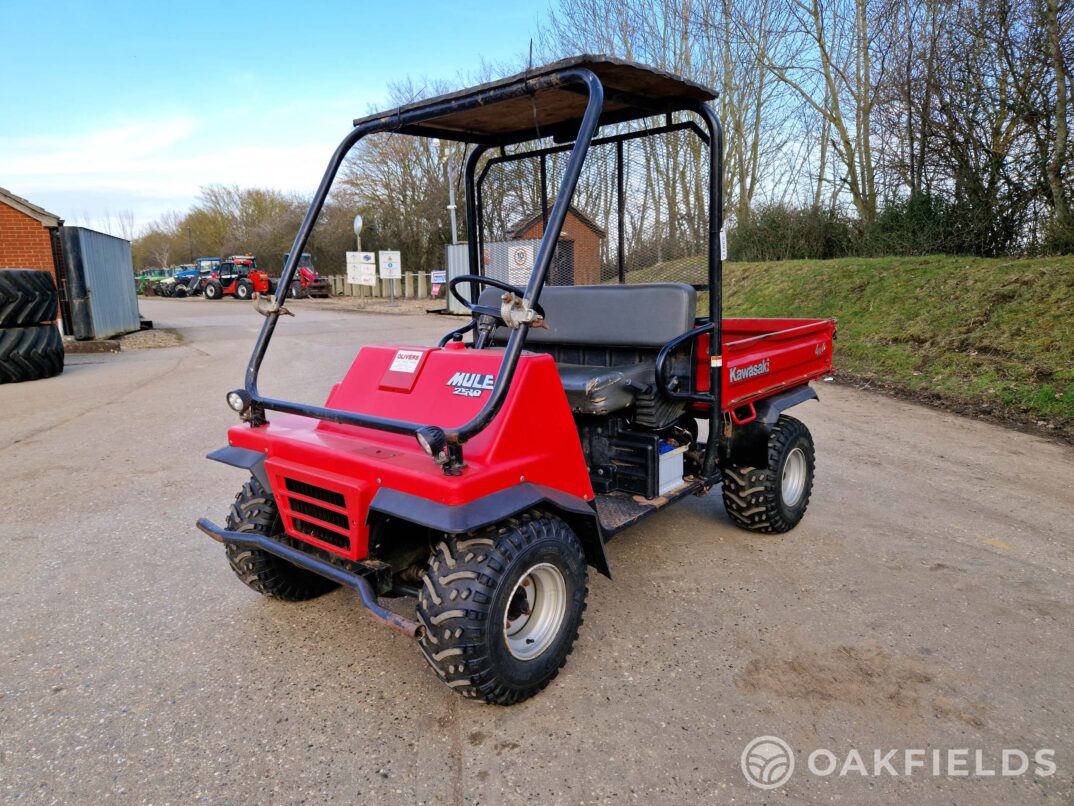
(100,284)
(639,214)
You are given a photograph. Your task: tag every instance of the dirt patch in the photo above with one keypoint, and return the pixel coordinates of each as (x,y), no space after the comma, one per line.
(151,339)
(862,678)
(477,738)
(1009,416)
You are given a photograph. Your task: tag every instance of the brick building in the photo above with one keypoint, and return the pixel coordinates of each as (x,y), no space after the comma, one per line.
(29,235)
(577,260)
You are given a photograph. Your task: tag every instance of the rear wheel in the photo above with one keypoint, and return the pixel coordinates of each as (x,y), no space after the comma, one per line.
(502,608)
(773,498)
(243,289)
(255,510)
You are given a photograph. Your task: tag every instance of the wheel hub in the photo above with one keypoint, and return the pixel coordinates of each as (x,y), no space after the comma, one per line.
(535,611)
(795,470)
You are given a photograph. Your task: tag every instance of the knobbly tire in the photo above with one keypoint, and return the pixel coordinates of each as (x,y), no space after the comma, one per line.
(255,510)
(488,604)
(30,353)
(213,290)
(27,297)
(773,498)
(243,290)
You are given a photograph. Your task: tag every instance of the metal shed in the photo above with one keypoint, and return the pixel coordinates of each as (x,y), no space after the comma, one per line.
(100,284)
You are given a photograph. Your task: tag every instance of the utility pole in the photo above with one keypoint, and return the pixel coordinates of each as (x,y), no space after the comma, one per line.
(190,243)
(451,203)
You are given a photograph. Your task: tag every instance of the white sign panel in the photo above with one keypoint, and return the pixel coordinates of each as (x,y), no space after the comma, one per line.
(438,276)
(406,361)
(391,267)
(521,257)
(361,268)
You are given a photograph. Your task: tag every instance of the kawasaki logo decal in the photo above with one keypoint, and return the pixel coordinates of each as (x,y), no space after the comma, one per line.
(471,384)
(751,371)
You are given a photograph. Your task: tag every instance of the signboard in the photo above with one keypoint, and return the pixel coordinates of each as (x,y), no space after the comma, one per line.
(361,268)
(391,267)
(438,278)
(521,257)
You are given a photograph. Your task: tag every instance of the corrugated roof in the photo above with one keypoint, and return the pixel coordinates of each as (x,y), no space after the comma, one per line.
(46,218)
(631,91)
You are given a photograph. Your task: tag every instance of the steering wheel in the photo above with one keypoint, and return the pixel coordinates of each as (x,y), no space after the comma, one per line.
(486,310)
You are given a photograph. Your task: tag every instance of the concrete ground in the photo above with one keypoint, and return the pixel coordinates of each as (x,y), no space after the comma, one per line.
(925,602)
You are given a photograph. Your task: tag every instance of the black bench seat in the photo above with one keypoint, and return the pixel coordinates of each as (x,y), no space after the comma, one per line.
(605,338)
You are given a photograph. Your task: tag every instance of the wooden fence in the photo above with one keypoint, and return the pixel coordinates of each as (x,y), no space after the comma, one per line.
(413,285)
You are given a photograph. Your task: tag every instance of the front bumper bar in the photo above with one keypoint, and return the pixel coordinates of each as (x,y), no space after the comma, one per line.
(325,569)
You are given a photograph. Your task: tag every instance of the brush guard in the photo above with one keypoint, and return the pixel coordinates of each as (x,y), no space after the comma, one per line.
(368,598)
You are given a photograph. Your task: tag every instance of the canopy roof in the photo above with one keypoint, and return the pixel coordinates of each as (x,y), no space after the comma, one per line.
(631,91)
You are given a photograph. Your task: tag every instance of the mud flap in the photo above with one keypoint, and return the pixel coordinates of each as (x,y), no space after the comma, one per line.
(748,445)
(253,461)
(482,512)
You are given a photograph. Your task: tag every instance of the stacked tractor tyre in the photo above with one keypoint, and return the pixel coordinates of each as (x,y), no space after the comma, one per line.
(30,343)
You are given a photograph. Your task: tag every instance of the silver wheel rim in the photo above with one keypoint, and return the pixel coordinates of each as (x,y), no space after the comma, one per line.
(795,470)
(535,611)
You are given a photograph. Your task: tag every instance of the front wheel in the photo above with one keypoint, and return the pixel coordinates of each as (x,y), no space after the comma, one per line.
(502,608)
(255,510)
(773,498)
(213,290)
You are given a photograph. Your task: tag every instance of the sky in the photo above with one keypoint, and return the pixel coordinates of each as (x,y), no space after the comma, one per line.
(109,107)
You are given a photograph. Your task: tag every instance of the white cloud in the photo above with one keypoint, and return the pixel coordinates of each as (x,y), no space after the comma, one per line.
(154,165)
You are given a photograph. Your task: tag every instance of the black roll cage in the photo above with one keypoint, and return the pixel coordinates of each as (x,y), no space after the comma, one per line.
(554,219)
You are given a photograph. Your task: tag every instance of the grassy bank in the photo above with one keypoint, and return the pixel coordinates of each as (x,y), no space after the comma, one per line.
(990,336)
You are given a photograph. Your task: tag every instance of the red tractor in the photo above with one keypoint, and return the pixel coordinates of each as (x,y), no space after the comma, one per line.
(239,277)
(307,282)
(484,476)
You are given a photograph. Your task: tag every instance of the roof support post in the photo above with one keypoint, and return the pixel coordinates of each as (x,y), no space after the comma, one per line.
(716,370)
(558,214)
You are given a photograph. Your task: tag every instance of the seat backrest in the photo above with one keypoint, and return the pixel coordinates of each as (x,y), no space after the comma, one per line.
(645,315)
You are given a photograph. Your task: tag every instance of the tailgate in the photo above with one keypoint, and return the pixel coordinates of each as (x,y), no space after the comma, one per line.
(764,356)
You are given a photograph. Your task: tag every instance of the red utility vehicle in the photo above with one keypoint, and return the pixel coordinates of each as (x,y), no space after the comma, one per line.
(484,476)
(307,282)
(239,277)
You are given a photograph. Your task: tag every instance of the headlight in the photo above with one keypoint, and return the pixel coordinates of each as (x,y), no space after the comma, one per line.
(431,439)
(238,400)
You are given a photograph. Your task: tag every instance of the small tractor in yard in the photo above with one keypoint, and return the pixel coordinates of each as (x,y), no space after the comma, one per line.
(307,282)
(485,475)
(239,277)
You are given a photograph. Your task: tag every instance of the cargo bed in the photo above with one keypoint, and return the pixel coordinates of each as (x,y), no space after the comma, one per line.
(764,356)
